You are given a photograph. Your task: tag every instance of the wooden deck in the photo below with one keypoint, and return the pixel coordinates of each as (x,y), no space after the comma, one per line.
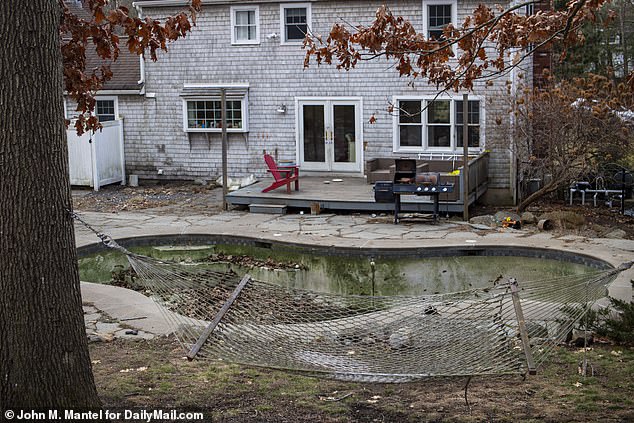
(352,193)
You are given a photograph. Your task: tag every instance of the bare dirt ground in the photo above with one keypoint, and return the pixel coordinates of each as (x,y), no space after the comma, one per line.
(586,220)
(164,198)
(154,375)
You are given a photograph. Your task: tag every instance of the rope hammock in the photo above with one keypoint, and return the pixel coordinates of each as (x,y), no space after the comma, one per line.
(502,329)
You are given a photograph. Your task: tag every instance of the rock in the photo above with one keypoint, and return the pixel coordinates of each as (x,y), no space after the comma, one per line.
(565,219)
(107,327)
(528,218)
(133,335)
(502,215)
(94,338)
(578,337)
(486,220)
(92,317)
(88,309)
(616,234)
(100,337)
(401,338)
(200,181)
(537,330)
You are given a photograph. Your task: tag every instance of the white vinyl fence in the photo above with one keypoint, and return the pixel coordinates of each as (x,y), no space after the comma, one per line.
(99,161)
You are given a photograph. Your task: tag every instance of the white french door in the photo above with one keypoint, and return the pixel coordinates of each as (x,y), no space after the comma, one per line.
(329,134)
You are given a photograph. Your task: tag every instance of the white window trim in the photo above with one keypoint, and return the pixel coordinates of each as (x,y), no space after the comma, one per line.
(233,11)
(396,147)
(451,123)
(454,13)
(283,6)
(245,114)
(396,119)
(106,98)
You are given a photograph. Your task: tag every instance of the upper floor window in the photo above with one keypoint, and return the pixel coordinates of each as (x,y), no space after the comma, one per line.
(437,14)
(105,109)
(245,25)
(295,21)
(422,125)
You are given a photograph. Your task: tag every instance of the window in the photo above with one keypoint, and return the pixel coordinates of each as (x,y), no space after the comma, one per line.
(427,124)
(410,124)
(204,115)
(473,123)
(105,110)
(245,25)
(295,21)
(437,14)
(439,124)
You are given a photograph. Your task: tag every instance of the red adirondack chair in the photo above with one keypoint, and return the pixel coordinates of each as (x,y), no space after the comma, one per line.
(282,175)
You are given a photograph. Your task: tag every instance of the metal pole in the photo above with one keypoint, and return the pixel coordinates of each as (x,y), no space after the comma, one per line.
(217,318)
(465,156)
(526,345)
(623,191)
(223,118)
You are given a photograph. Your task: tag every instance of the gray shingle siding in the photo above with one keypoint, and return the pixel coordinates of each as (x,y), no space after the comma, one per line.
(154,128)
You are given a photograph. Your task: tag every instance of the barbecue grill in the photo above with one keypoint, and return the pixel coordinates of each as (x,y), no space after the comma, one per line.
(408,182)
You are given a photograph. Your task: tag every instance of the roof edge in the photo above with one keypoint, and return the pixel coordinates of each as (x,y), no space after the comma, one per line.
(115,92)
(168,3)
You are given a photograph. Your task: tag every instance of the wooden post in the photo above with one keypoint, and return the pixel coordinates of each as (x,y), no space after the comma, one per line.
(217,318)
(522,326)
(465,156)
(223,118)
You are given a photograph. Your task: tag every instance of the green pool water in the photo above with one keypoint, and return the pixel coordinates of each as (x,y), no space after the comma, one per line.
(348,274)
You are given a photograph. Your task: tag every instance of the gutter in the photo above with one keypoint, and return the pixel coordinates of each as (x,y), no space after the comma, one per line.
(119,92)
(116,92)
(167,3)
(141,81)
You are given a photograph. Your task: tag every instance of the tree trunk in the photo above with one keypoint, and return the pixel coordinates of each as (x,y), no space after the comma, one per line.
(44,359)
(546,189)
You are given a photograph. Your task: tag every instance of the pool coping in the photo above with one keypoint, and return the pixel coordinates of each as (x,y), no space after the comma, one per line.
(385,237)
(375,252)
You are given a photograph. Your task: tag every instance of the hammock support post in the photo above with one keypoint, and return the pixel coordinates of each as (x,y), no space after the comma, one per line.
(522,326)
(217,318)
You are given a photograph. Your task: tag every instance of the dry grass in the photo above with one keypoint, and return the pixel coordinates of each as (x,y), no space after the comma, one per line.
(227,392)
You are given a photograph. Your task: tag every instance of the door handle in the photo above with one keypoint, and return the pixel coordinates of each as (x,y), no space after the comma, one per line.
(328,137)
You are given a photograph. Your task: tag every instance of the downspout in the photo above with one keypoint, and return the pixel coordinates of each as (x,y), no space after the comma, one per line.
(512,145)
(141,81)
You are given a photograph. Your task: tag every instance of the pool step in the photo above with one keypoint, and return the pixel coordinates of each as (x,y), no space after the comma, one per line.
(268,208)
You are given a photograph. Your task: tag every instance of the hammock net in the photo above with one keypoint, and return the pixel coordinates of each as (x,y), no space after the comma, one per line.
(502,329)
(363,338)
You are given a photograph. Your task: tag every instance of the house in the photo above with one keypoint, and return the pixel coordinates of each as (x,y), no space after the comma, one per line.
(103,161)
(317,117)
(123,95)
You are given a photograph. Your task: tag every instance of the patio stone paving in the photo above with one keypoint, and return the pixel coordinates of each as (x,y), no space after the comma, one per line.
(359,231)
